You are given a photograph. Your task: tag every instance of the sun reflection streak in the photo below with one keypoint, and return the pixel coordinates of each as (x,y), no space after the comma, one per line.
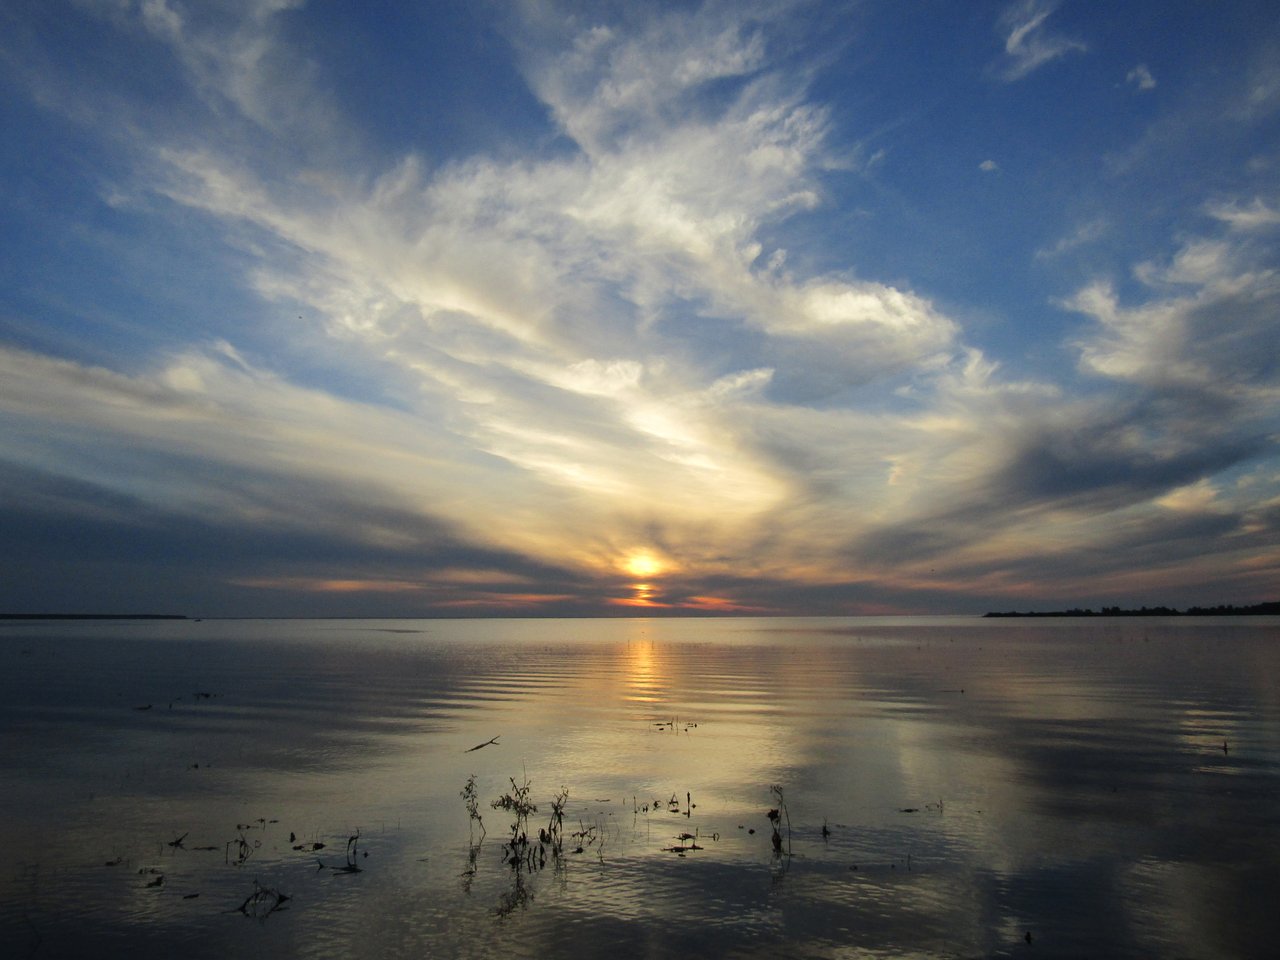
(646,680)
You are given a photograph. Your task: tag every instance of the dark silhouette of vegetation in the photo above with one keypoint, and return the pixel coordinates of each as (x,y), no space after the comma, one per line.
(1270,608)
(779,817)
(353,854)
(518,851)
(472,798)
(263,902)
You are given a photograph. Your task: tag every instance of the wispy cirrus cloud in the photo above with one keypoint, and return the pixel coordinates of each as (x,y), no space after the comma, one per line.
(547,321)
(1029,42)
(594,344)
(1257,215)
(1082,235)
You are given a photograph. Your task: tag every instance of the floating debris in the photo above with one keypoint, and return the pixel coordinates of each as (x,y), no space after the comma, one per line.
(481,746)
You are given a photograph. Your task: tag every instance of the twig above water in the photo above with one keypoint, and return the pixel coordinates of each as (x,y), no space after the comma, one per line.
(479,746)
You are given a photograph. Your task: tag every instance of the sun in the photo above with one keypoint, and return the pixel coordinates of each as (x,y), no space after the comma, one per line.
(642,564)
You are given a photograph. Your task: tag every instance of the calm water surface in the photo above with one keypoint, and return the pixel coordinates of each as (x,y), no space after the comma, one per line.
(1110,787)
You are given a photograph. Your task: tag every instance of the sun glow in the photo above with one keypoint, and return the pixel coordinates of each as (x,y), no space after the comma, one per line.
(643,565)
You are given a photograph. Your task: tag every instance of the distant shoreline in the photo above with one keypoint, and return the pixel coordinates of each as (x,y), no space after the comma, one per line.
(92,616)
(1271,608)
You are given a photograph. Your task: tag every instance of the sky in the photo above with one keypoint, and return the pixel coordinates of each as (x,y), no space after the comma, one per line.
(540,308)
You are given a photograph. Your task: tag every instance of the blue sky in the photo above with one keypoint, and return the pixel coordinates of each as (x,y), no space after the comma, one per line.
(550,308)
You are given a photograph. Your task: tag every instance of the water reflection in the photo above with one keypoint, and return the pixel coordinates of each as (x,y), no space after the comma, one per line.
(978,782)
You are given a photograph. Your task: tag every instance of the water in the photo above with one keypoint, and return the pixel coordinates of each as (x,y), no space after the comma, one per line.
(980,780)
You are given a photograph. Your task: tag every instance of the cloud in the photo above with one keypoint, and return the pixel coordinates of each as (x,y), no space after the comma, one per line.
(526,365)
(1082,235)
(1199,397)
(1029,43)
(1203,331)
(988,166)
(608,85)
(233,55)
(1140,76)
(996,483)
(1257,215)
(477,279)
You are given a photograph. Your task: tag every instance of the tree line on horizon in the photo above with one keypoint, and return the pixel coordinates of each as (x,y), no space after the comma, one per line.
(1269,608)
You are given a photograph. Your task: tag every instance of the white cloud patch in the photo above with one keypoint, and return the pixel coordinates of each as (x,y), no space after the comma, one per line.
(1257,215)
(1205,327)
(1083,235)
(1140,76)
(1030,43)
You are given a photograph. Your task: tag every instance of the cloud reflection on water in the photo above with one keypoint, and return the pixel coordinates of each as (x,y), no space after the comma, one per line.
(984,780)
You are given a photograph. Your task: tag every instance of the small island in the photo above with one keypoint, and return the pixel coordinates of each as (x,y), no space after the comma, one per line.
(1270,608)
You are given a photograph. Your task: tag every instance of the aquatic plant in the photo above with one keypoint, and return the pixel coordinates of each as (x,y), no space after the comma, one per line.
(777,816)
(471,797)
(554,833)
(263,901)
(691,839)
(517,898)
(353,854)
(243,849)
(468,875)
(586,835)
(518,850)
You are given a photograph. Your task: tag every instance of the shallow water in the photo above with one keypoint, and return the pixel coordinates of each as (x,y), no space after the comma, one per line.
(980,780)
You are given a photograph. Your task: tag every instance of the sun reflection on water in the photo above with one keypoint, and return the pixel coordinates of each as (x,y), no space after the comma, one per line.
(970,798)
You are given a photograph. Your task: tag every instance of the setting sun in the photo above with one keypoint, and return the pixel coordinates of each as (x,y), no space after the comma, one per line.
(643,565)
